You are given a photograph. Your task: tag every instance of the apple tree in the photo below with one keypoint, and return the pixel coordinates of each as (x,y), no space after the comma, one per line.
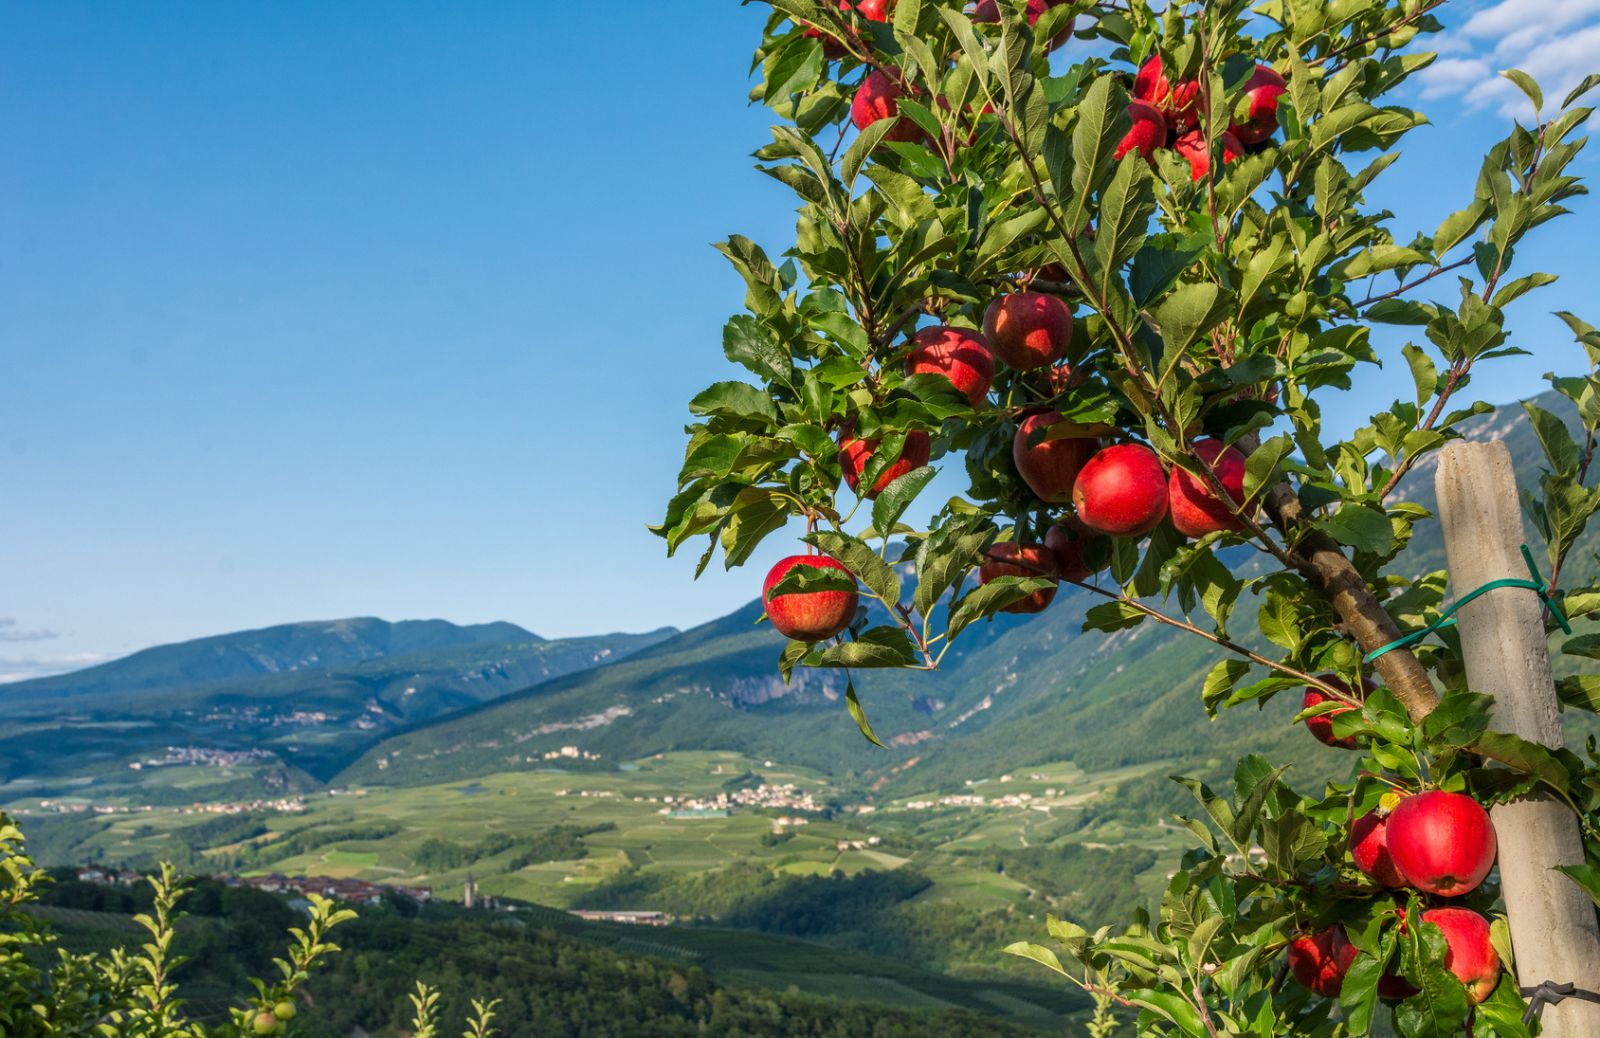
(1110,260)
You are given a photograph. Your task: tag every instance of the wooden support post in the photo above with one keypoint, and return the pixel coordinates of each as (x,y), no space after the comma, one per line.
(1554,933)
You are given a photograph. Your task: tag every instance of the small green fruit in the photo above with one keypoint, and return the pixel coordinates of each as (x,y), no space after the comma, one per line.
(284,1010)
(265,1024)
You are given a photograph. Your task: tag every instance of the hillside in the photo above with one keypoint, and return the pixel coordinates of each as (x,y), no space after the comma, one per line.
(313,645)
(269,711)
(1015,693)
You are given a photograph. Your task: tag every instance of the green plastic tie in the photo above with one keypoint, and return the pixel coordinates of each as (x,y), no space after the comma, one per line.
(1447,618)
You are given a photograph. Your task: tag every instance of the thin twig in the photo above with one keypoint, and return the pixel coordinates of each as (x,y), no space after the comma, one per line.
(1232,646)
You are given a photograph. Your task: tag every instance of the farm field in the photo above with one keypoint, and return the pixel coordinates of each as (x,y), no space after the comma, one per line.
(380,834)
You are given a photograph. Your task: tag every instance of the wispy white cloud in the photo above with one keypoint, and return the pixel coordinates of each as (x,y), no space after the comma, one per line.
(10,633)
(1557,42)
(15,669)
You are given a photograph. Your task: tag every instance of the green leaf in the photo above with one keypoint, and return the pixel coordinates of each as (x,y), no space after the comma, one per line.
(1261,467)
(1525,756)
(1038,953)
(804,580)
(755,513)
(1171,1007)
(1358,995)
(892,502)
(1125,210)
(1102,121)
(792,70)
(1220,681)
(1154,270)
(735,400)
(1184,316)
(1527,85)
(1458,226)
(1581,691)
(1112,616)
(1590,81)
(1361,527)
(1586,876)
(879,577)
(883,646)
(948,554)
(857,714)
(988,599)
(864,145)
(792,654)
(1423,372)
(1559,450)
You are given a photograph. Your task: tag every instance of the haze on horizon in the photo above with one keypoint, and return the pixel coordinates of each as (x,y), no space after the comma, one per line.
(314,314)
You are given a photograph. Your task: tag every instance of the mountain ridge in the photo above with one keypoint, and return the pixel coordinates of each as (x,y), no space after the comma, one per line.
(1007,694)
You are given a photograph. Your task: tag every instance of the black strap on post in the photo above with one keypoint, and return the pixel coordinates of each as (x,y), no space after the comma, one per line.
(1548,994)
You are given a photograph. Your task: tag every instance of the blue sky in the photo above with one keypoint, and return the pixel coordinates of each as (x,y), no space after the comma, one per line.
(316,310)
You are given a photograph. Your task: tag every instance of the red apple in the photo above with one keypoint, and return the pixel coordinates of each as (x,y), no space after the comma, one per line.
(809,616)
(1262,89)
(875,10)
(1321,726)
(1028,330)
(959,354)
(1369,847)
(1122,491)
(1196,511)
(1032,560)
(1470,955)
(1079,553)
(1442,843)
(1319,962)
(878,97)
(1149,131)
(1192,146)
(1049,467)
(1180,104)
(854,455)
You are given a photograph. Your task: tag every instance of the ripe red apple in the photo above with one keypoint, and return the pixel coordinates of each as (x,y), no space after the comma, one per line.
(1149,131)
(1192,146)
(1319,962)
(1262,89)
(1028,330)
(878,97)
(1032,560)
(1471,955)
(1369,847)
(1443,843)
(1049,467)
(1122,491)
(875,10)
(854,456)
(1195,510)
(809,616)
(1180,104)
(1321,726)
(959,354)
(1079,553)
